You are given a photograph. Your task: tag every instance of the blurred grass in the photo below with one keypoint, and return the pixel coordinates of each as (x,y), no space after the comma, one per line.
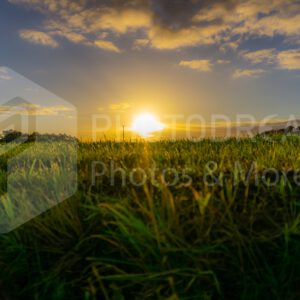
(154,241)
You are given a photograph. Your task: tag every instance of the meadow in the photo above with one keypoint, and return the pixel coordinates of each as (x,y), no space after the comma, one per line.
(162,220)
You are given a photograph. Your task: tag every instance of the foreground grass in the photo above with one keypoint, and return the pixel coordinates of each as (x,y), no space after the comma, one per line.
(191,240)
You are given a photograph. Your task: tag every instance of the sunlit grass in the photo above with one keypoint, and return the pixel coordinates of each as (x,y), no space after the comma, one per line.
(154,241)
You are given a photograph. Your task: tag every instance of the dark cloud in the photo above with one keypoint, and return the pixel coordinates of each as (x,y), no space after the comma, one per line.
(173,14)
(118,3)
(178,13)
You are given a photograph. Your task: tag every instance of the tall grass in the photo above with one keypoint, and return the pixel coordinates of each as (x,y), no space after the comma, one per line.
(191,240)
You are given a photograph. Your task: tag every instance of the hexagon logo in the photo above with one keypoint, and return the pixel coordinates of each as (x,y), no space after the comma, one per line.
(38,150)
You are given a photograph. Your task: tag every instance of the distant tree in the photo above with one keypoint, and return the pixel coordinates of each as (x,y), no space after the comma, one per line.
(32,137)
(11,136)
(289,129)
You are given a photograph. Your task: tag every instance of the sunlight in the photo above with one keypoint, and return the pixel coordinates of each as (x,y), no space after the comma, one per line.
(145,124)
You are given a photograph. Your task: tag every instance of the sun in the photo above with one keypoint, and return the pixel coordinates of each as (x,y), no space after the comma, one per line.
(145,124)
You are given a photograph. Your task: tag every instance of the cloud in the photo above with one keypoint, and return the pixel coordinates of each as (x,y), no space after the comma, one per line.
(56,28)
(289,60)
(233,45)
(265,55)
(38,37)
(223,61)
(165,38)
(140,43)
(167,25)
(202,65)
(280,24)
(120,106)
(34,109)
(107,45)
(236,11)
(246,73)
(254,17)
(51,6)
(120,20)
(80,23)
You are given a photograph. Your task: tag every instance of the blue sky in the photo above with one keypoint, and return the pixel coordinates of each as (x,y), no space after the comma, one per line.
(205,57)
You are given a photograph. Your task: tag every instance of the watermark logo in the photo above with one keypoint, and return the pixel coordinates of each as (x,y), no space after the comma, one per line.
(211,175)
(194,127)
(38,150)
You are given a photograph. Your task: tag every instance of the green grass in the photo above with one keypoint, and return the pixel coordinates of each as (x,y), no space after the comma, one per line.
(193,240)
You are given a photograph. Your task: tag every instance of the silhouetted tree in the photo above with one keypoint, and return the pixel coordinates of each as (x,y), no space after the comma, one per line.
(289,129)
(11,136)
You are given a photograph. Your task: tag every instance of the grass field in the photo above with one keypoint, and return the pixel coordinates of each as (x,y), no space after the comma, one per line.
(164,220)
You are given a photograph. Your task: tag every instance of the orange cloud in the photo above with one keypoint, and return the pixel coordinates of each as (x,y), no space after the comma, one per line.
(107,45)
(56,28)
(140,43)
(280,24)
(246,73)
(120,106)
(289,59)
(165,38)
(38,37)
(37,110)
(264,55)
(223,61)
(121,20)
(202,65)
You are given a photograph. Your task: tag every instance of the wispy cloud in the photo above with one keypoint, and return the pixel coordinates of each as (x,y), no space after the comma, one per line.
(120,20)
(251,17)
(38,37)
(202,65)
(122,106)
(260,56)
(223,61)
(232,45)
(166,38)
(34,109)
(247,73)
(140,43)
(107,45)
(289,60)
(56,28)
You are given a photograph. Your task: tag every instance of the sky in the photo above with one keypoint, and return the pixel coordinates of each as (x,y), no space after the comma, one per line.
(171,58)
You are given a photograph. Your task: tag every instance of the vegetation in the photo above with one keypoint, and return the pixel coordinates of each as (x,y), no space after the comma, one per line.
(19,137)
(286,131)
(214,233)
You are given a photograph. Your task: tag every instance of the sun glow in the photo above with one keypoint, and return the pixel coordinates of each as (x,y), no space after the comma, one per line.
(145,124)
